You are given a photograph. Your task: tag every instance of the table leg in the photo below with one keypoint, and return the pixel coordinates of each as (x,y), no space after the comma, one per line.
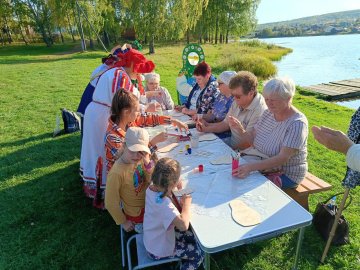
(298,247)
(207,261)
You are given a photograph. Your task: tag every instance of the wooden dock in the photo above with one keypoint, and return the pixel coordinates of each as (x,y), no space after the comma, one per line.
(337,90)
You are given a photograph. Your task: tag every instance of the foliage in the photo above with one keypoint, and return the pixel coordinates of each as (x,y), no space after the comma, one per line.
(148,21)
(47,223)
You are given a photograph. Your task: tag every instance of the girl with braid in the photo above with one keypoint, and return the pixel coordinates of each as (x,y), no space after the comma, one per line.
(166,230)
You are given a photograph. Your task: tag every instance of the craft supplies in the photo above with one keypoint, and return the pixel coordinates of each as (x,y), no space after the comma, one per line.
(194,140)
(201,168)
(235,162)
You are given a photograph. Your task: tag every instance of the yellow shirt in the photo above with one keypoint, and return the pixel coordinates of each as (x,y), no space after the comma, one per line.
(124,186)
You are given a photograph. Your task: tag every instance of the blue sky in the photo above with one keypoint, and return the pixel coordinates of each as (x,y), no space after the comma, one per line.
(282,10)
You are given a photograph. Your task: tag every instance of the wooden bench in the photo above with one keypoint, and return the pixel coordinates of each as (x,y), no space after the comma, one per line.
(311,184)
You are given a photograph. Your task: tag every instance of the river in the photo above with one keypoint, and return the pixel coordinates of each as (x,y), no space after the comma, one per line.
(320,59)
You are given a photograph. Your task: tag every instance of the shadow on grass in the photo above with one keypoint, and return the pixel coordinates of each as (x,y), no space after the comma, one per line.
(26,140)
(44,153)
(72,56)
(47,223)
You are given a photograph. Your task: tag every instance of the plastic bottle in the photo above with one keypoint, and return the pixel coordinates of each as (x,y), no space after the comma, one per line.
(332,203)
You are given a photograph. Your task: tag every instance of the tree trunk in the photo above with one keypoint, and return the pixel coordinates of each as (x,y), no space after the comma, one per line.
(8,33)
(187,36)
(151,45)
(92,47)
(70,27)
(2,38)
(216,28)
(22,35)
(228,28)
(80,29)
(61,35)
(106,39)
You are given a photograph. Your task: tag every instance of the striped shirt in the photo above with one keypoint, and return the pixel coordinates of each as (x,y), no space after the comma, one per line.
(272,135)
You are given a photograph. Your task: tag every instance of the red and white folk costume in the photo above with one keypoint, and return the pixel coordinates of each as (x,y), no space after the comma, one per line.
(98,112)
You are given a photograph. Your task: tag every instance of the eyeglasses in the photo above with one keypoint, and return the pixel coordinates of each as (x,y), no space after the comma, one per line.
(238,96)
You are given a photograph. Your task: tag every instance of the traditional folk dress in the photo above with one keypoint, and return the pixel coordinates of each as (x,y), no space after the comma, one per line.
(95,124)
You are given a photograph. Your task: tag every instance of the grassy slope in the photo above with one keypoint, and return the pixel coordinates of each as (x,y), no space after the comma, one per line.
(45,220)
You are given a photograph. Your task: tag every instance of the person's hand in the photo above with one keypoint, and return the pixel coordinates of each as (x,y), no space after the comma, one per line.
(242,171)
(180,125)
(179,108)
(236,124)
(128,226)
(179,185)
(153,107)
(184,110)
(146,158)
(185,200)
(150,94)
(202,125)
(161,137)
(332,139)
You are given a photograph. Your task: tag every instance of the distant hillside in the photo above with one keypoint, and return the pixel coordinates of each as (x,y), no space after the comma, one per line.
(345,16)
(345,22)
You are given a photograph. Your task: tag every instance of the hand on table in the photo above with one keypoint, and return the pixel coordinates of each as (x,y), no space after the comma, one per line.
(242,171)
(332,139)
(180,125)
(202,125)
(179,108)
(129,226)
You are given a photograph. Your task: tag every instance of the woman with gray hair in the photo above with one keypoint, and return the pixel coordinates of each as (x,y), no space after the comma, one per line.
(279,137)
(156,93)
(223,100)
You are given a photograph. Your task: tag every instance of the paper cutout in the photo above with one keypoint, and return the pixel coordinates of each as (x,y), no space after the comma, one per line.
(184,191)
(243,214)
(207,137)
(167,148)
(222,160)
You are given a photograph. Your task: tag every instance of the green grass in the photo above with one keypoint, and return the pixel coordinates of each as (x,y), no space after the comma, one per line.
(47,223)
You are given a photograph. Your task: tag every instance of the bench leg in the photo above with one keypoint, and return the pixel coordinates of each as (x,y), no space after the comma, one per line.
(304,201)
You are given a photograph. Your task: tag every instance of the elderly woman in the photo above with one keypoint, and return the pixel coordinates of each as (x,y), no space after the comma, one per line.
(224,100)
(155,92)
(202,96)
(281,135)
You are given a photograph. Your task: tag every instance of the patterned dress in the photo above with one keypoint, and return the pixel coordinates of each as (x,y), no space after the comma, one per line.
(221,107)
(352,178)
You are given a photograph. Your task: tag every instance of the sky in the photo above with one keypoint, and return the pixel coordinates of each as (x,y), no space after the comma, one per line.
(283,10)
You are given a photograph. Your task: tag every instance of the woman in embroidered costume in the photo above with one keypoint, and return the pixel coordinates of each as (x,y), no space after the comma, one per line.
(107,63)
(129,67)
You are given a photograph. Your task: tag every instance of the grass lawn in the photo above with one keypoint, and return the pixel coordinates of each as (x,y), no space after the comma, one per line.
(46,221)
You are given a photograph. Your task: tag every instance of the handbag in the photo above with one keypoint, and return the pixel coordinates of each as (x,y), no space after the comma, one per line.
(323,221)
